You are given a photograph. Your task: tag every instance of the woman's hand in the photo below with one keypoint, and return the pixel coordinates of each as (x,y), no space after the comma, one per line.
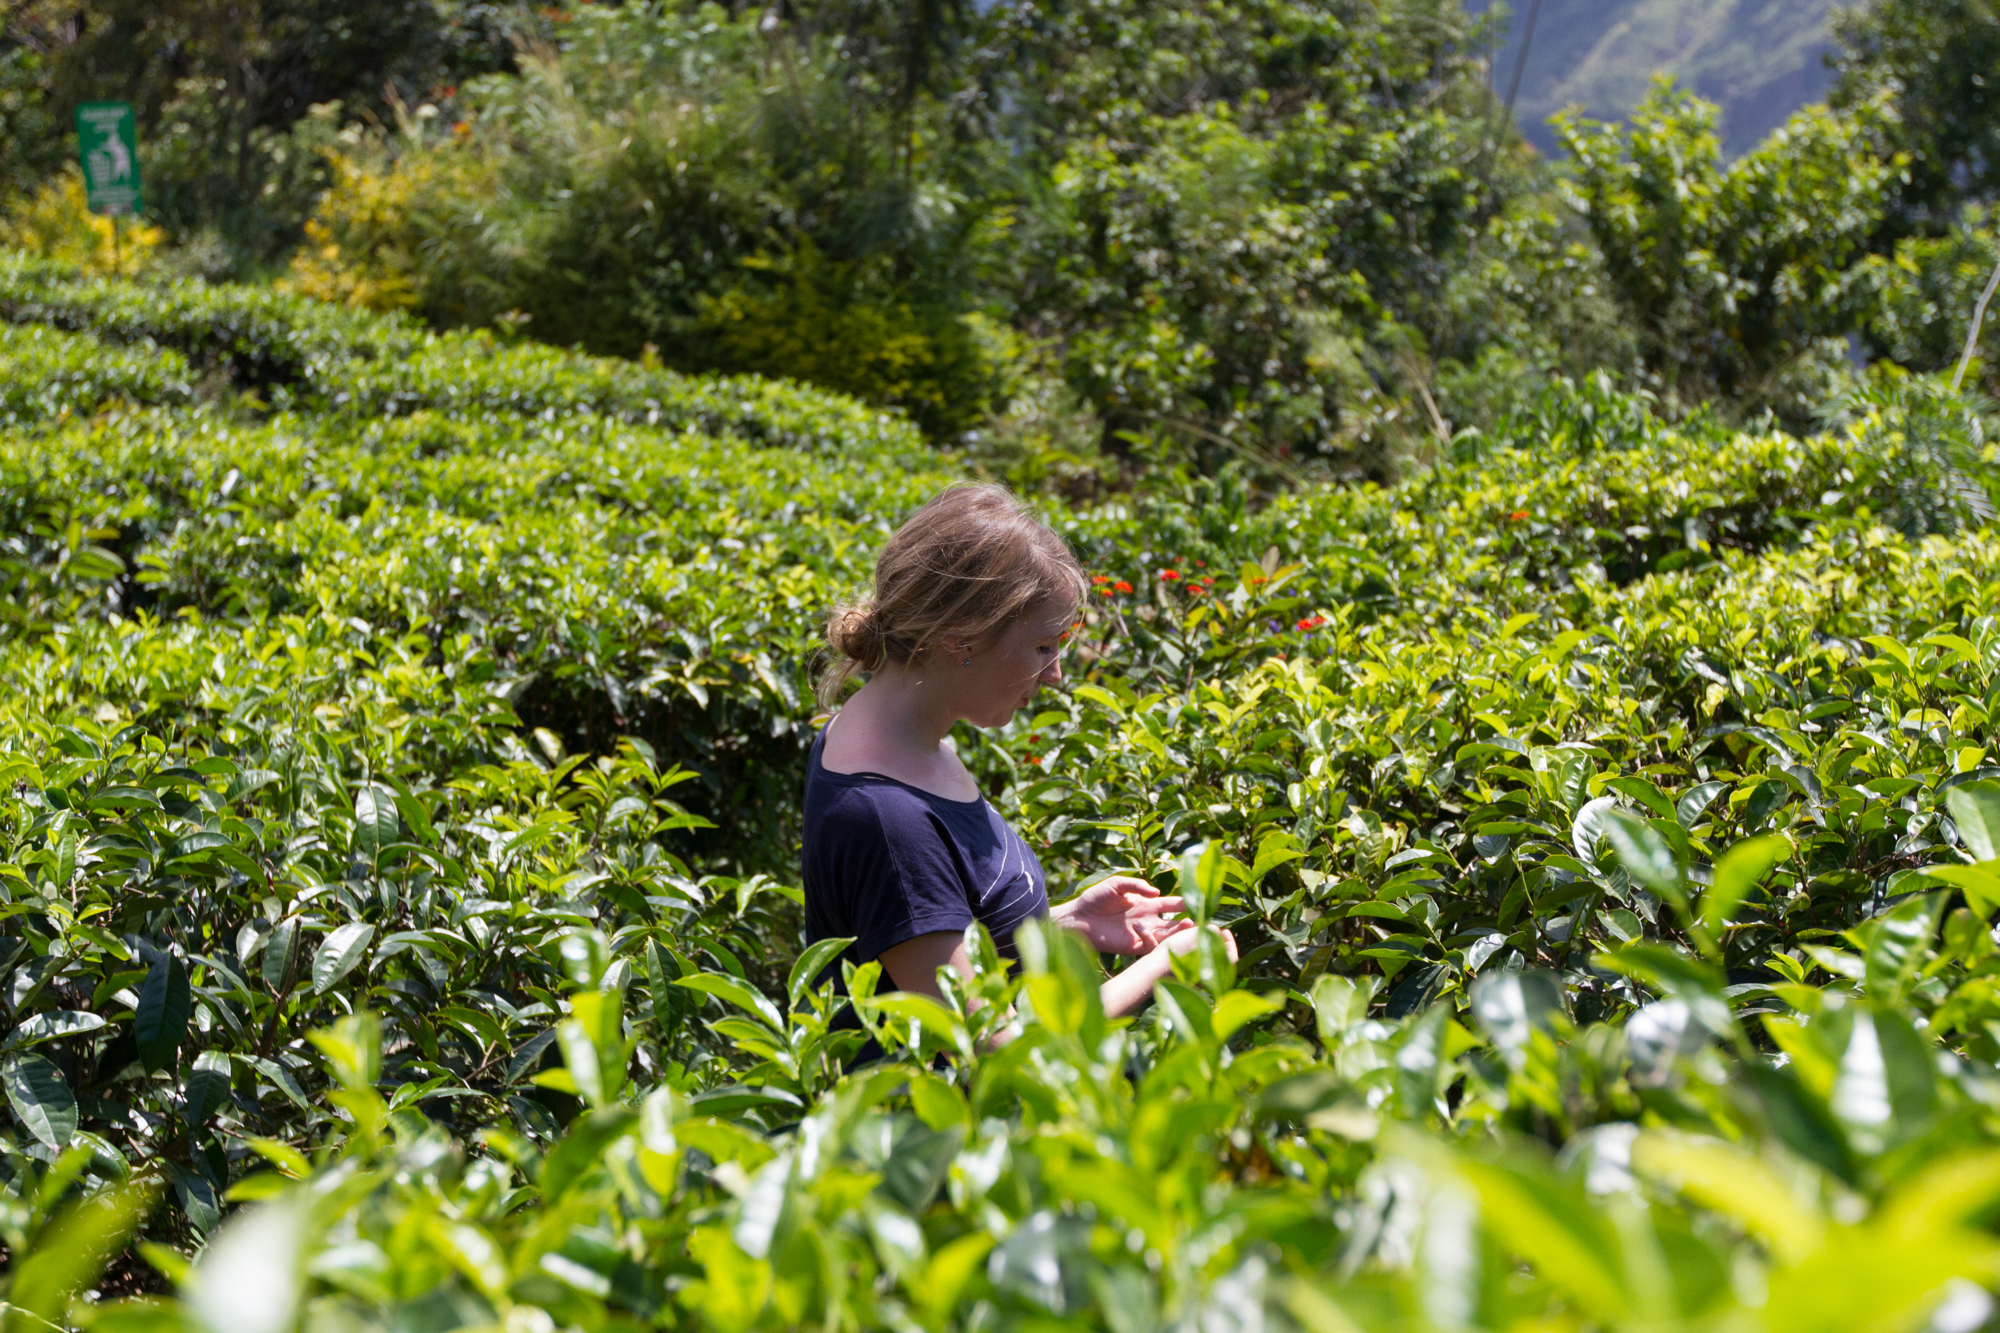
(1128,990)
(1122,915)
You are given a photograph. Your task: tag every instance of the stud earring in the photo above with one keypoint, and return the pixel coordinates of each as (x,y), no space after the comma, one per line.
(966,662)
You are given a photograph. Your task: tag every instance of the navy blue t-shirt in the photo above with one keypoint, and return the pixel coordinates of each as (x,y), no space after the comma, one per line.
(886,862)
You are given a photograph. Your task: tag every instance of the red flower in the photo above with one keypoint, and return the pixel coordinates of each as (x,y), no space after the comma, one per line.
(1518,516)
(1123,586)
(1035,759)
(1097,580)
(1208,583)
(1103,591)
(1169,575)
(1256,579)
(1201,564)
(1311,623)
(1196,590)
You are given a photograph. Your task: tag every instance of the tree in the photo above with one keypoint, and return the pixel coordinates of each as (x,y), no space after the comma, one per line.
(219,84)
(1738,278)
(1937,62)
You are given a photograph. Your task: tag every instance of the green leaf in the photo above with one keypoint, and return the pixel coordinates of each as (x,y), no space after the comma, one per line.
(1201,880)
(1421,1062)
(1273,850)
(1737,871)
(1510,1006)
(582,1148)
(1645,793)
(1899,944)
(1723,1177)
(739,993)
(593,1045)
(165,1004)
(815,959)
(926,1013)
(1979,883)
(206,1087)
(1644,852)
(417,816)
(42,1102)
(275,958)
(1591,824)
(1186,1012)
(1975,808)
(341,953)
(53,1023)
(375,823)
(1239,1007)
(70,1254)
(1694,802)
(1549,1222)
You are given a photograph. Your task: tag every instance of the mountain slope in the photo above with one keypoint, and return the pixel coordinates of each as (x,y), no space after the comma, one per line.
(1759,59)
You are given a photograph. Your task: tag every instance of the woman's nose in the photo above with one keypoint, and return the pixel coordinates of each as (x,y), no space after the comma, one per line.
(1052,673)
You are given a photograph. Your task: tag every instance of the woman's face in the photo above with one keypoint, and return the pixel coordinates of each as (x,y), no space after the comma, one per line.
(1006,674)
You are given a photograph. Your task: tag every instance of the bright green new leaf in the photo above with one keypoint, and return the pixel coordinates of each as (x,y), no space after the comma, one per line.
(70,1254)
(1737,871)
(739,993)
(1899,944)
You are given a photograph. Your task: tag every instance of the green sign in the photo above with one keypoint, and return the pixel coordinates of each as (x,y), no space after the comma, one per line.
(107,142)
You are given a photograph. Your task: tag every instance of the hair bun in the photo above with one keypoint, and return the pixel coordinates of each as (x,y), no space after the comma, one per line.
(855,633)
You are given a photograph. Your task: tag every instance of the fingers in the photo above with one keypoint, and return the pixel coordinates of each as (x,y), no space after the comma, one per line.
(1128,884)
(1156,906)
(1182,938)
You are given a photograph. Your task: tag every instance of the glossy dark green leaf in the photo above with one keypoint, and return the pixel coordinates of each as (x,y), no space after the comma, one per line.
(375,822)
(279,957)
(42,1101)
(340,953)
(165,1004)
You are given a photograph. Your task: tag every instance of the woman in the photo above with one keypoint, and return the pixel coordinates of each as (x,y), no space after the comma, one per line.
(973,600)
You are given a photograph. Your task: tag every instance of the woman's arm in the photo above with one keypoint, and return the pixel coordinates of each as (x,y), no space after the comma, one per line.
(913,966)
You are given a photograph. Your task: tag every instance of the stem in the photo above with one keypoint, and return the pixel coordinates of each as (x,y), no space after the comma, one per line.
(1972,334)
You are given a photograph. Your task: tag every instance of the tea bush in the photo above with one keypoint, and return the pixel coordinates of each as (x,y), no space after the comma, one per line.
(404,753)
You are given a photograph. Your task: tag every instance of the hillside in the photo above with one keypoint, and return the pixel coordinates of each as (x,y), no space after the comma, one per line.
(1760,60)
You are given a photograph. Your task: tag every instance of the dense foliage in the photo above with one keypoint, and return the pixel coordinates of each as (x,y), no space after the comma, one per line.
(403,735)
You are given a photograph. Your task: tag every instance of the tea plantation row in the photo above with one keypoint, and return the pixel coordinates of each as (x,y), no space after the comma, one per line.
(403,736)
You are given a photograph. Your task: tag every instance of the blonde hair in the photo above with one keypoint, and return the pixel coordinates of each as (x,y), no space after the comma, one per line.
(971,562)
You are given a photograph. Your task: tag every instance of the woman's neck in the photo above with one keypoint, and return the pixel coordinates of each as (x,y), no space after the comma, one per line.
(896,725)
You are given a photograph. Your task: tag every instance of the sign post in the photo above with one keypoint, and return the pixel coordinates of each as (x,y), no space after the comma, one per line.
(107,144)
